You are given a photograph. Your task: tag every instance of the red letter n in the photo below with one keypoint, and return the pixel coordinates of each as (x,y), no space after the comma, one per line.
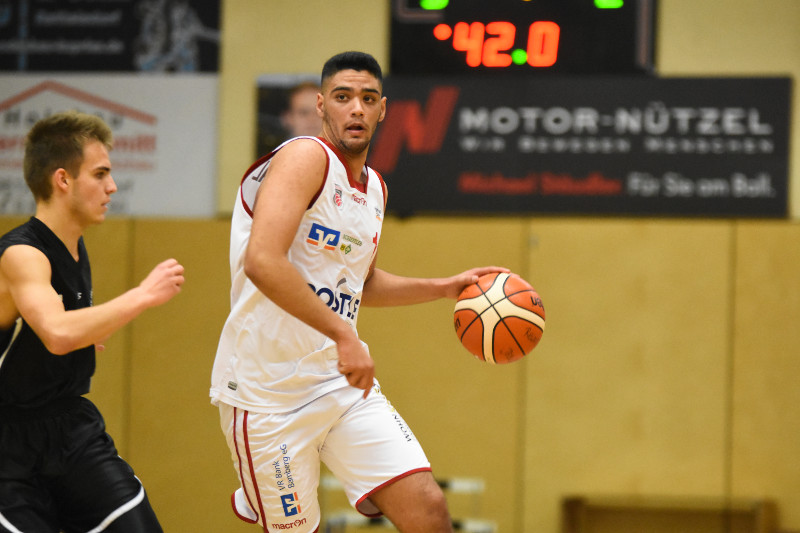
(405,122)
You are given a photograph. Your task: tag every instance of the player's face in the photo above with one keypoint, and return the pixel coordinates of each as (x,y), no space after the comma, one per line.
(93,186)
(351,106)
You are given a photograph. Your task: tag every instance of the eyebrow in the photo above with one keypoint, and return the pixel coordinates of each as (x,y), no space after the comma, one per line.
(346,88)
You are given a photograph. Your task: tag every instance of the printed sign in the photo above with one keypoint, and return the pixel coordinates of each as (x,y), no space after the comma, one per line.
(715,147)
(164,156)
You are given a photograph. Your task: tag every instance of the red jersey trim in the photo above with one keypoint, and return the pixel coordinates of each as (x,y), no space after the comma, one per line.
(383,186)
(386,484)
(263,159)
(362,187)
(251,470)
(324,176)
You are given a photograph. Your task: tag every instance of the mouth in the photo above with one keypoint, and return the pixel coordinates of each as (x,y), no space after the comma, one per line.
(355,128)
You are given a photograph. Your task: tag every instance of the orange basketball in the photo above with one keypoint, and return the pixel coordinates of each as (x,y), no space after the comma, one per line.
(499,319)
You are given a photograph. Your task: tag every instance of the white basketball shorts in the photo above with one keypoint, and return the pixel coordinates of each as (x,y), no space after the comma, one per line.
(364,442)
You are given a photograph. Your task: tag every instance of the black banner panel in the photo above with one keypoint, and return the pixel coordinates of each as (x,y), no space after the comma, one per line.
(110,35)
(706,147)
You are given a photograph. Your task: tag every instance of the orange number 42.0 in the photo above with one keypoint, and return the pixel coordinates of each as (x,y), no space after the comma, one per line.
(491,44)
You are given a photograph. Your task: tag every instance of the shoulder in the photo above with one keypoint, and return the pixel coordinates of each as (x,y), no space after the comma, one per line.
(21,235)
(301,148)
(301,159)
(22,254)
(22,263)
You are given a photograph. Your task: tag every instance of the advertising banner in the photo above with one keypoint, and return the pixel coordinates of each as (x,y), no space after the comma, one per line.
(165,134)
(647,146)
(109,35)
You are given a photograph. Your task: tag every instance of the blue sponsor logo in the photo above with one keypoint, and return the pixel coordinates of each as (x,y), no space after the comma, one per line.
(321,236)
(339,302)
(289,502)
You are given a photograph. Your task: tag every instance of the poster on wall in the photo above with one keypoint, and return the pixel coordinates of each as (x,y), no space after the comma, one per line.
(705,147)
(163,160)
(286,108)
(110,35)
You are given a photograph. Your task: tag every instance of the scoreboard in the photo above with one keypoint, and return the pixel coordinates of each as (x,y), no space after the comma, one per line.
(522,37)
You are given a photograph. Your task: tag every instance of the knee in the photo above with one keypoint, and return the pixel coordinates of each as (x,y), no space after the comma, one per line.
(415,504)
(438,514)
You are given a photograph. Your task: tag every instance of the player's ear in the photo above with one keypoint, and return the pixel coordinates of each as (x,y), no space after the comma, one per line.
(383,109)
(60,179)
(320,104)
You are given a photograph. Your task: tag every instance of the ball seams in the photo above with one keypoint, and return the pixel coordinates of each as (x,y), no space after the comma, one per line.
(512,317)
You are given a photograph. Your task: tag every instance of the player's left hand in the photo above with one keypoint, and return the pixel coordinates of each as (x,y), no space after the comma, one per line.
(457,283)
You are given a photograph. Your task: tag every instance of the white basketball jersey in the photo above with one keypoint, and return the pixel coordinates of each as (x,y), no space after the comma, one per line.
(267,360)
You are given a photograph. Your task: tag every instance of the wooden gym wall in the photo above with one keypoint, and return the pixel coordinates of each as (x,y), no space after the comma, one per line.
(668,366)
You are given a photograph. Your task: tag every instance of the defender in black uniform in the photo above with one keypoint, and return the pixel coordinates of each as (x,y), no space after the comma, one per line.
(59,469)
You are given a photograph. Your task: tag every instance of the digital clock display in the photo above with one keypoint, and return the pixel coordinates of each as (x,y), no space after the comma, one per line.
(522,36)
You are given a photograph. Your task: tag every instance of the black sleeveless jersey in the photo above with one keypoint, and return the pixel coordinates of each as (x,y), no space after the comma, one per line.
(30,375)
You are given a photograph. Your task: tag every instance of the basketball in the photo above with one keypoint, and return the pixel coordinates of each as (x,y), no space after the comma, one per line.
(499,319)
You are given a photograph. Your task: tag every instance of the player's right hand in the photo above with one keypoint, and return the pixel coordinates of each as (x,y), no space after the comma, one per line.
(163,282)
(356,364)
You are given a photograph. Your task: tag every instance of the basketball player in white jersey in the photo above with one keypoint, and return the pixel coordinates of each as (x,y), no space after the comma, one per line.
(293,382)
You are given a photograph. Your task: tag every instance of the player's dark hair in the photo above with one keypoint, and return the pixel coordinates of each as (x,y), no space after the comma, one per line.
(57,142)
(359,61)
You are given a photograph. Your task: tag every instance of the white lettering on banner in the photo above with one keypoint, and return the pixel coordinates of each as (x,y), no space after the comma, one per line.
(62,46)
(712,145)
(78,18)
(654,119)
(675,185)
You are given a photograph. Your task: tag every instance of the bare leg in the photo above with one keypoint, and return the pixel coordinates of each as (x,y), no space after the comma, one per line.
(415,504)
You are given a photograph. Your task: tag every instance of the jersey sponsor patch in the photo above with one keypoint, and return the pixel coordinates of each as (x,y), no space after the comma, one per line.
(340,302)
(337,197)
(323,237)
(360,199)
(290,505)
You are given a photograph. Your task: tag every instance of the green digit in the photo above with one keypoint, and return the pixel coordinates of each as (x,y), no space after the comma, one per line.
(433,4)
(608,4)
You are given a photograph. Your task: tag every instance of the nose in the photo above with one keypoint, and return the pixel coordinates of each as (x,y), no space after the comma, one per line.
(358,108)
(111,186)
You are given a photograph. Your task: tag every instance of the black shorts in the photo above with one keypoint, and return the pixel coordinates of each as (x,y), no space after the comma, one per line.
(60,471)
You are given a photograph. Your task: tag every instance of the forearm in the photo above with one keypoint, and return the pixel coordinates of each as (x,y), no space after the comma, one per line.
(384,289)
(65,331)
(71,330)
(280,281)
